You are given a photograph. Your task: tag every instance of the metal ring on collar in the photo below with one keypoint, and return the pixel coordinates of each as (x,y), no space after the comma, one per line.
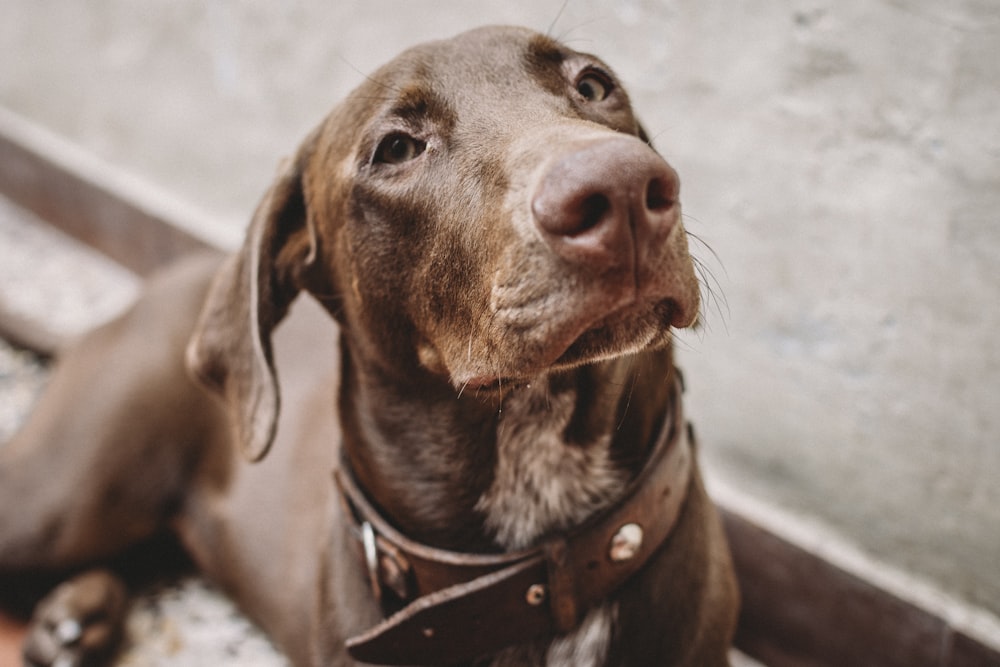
(371,558)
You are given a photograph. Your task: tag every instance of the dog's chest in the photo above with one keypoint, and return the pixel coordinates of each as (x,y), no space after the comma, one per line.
(543,484)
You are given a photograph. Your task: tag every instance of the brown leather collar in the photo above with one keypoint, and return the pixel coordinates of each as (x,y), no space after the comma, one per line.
(468,605)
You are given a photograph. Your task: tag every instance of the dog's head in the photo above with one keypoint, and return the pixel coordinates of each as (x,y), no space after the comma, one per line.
(481,211)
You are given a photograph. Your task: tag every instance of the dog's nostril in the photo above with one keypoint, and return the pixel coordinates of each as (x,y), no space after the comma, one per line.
(592,211)
(659,195)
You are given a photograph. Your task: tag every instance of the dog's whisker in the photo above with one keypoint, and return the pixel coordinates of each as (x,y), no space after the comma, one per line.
(708,277)
(628,399)
(654,136)
(704,244)
(564,36)
(369,77)
(711,286)
(681,344)
(552,25)
(712,295)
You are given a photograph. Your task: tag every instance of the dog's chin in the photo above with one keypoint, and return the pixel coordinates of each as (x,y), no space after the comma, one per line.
(622,333)
(627,331)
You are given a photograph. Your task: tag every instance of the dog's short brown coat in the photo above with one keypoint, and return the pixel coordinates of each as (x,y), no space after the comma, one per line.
(495,262)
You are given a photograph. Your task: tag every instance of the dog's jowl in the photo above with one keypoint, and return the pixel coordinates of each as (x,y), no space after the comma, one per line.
(426,415)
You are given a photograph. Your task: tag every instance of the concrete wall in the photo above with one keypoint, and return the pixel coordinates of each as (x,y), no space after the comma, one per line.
(841,164)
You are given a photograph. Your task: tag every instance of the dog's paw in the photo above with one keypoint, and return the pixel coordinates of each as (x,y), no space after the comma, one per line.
(79,624)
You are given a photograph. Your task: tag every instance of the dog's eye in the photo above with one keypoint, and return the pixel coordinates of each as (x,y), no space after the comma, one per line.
(398,148)
(594,86)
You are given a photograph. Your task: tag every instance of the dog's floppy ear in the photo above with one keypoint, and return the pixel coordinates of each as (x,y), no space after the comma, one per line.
(230,349)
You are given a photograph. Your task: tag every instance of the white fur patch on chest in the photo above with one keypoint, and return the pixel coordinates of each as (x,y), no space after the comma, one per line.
(541,483)
(587,646)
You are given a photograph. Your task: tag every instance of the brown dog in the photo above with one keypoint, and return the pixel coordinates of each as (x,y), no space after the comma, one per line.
(496,259)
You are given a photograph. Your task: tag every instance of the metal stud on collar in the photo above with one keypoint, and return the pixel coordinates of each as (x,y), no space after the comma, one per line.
(535,595)
(626,543)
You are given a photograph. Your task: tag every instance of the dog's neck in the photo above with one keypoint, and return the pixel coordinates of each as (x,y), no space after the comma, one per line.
(499,473)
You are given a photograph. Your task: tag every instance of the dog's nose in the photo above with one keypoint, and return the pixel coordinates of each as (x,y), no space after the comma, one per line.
(604,203)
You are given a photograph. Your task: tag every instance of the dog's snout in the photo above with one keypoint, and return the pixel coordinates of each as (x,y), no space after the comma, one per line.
(603,203)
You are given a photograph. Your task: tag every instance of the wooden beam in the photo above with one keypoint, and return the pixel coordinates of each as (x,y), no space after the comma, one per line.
(799,609)
(130,221)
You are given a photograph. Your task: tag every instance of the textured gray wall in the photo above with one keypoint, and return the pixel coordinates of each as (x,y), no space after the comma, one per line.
(842,159)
